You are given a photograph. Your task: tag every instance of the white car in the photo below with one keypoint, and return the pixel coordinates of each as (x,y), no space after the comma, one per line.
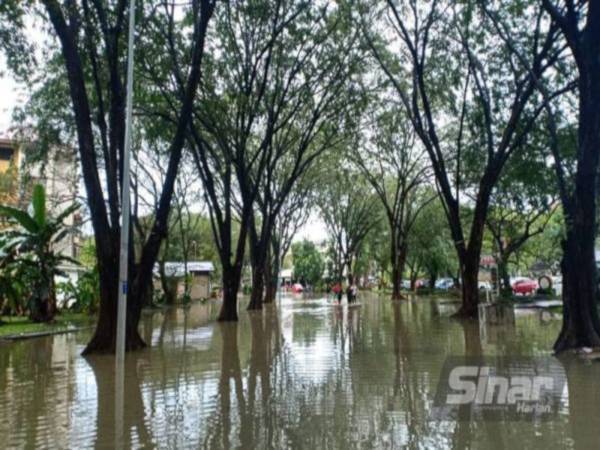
(484,285)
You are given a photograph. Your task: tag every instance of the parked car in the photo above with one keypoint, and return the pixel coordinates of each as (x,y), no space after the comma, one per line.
(297,288)
(484,285)
(525,286)
(420,284)
(444,283)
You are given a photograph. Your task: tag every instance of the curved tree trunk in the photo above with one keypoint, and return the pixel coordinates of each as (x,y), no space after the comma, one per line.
(581,325)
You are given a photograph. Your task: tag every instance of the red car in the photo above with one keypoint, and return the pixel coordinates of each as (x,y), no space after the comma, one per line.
(525,287)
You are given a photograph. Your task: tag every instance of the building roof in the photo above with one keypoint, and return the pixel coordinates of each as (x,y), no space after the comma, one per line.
(177,269)
(285,273)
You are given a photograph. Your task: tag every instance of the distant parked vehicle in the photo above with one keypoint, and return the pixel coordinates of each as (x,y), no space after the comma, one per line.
(525,286)
(406,284)
(297,288)
(484,285)
(420,284)
(514,280)
(444,284)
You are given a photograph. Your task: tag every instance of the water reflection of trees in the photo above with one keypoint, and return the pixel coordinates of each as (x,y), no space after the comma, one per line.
(37,384)
(245,416)
(243,386)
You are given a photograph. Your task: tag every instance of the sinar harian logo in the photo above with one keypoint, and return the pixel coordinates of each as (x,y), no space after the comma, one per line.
(519,388)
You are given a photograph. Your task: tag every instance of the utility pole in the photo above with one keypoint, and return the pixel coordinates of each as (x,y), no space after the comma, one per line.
(125,208)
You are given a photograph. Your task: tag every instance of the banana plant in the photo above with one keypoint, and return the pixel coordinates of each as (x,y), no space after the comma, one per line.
(34,236)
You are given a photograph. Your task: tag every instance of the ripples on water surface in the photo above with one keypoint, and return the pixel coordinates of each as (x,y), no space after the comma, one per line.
(306,374)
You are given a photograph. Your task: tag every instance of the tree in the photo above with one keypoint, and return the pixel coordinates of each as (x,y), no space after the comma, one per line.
(521,206)
(308,262)
(430,244)
(293,215)
(38,234)
(579,23)
(91,35)
(349,210)
(395,167)
(463,93)
(272,105)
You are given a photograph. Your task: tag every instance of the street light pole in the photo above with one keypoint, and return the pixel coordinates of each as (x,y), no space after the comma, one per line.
(124,253)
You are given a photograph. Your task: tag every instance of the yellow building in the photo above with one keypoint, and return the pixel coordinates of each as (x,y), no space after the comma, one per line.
(58,174)
(10,161)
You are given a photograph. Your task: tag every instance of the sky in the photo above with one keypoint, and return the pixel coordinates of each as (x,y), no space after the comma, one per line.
(11,95)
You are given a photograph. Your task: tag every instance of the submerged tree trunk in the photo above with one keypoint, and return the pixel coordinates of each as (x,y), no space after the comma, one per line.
(231,285)
(396,283)
(271,279)
(581,324)
(105,336)
(580,314)
(258,287)
(398,260)
(470,287)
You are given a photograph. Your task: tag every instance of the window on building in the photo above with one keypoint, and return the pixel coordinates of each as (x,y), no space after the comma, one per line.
(6,153)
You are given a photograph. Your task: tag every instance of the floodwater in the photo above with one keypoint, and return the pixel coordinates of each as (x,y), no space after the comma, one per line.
(303,374)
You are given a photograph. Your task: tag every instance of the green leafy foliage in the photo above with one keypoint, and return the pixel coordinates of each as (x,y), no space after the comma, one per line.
(308,262)
(83,296)
(32,238)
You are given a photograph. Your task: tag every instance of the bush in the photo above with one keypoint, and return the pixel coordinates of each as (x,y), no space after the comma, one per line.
(84,295)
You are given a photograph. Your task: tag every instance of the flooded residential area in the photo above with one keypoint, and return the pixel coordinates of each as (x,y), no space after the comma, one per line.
(296,224)
(304,373)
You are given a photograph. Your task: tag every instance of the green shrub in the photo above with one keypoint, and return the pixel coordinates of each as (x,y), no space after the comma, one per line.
(84,295)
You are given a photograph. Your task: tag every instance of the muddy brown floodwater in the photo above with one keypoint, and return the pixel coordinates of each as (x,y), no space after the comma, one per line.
(304,374)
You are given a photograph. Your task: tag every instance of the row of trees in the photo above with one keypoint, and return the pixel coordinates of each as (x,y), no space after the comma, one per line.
(276,106)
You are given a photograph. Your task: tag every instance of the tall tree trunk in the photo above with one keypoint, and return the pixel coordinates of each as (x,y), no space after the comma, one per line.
(432,279)
(470,286)
(469,258)
(271,278)
(258,287)
(104,339)
(581,324)
(396,283)
(503,276)
(580,315)
(398,262)
(258,257)
(231,285)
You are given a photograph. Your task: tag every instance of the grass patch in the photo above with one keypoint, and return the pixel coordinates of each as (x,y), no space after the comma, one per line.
(22,326)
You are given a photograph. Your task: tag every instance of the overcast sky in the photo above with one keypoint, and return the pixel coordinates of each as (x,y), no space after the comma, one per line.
(11,95)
